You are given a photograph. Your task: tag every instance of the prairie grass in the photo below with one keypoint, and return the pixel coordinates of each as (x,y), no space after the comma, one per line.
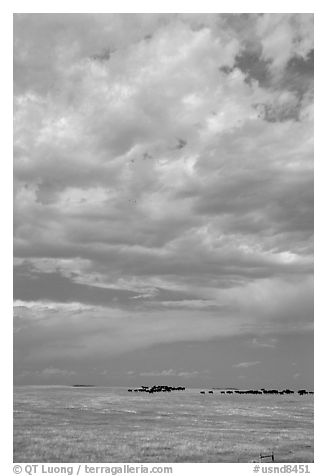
(110,425)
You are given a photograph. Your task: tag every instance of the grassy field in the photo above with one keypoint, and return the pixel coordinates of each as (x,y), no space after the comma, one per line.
(106,425)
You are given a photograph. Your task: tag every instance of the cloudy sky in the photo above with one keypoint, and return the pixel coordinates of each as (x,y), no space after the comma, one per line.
(163,199)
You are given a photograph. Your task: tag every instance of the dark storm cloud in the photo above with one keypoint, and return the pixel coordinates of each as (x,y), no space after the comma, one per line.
(254,68)
(298,75)
(31,285)
(55,287)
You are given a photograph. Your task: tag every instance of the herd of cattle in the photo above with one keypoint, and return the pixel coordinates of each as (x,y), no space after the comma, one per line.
(155,388)
(263,391)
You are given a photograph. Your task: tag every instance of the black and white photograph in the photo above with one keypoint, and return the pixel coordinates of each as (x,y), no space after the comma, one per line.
(163,224)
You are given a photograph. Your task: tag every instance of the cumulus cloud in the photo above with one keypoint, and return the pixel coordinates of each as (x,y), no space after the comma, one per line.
(265,343)
(245,365)
(163,179)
